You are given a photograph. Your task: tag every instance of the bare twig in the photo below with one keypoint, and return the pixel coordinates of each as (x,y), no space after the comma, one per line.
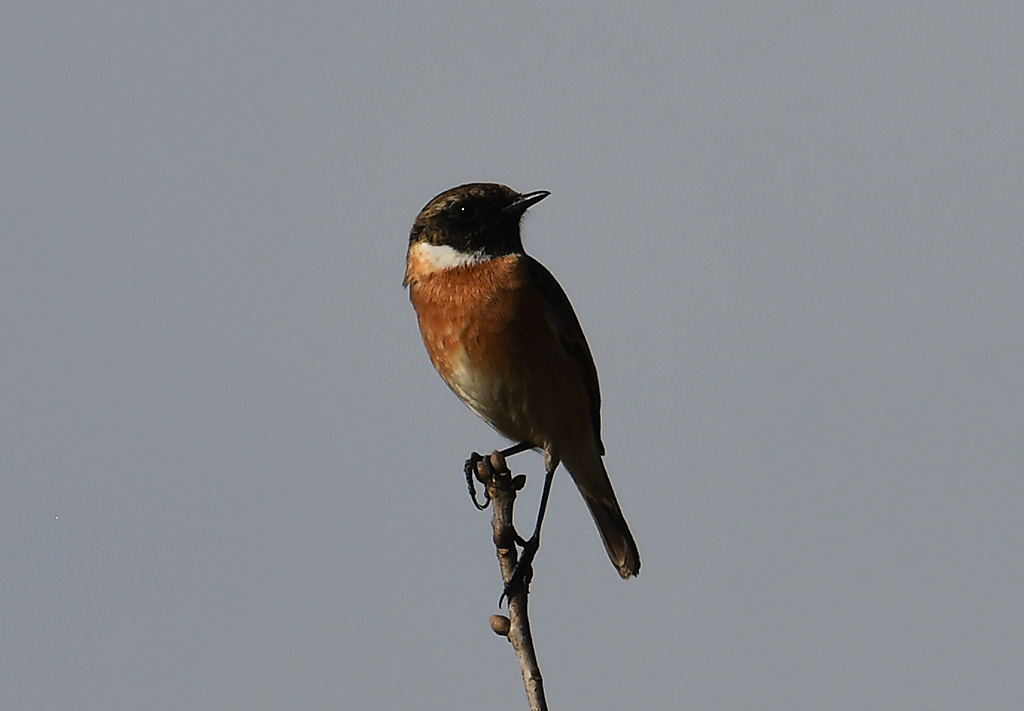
(501,488)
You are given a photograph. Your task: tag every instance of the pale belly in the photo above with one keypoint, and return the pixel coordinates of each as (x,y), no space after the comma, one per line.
(502,403)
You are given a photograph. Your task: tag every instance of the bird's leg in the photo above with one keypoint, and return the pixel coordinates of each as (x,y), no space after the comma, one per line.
(470,470)
(523,573)
(515,449)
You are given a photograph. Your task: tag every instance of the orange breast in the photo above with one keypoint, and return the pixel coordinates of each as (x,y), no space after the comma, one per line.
(488,334)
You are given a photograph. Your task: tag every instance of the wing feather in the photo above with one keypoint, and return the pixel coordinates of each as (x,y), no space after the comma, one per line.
(570,334)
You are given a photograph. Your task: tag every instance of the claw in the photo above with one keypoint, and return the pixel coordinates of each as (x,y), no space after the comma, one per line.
(523,574)
(470,470)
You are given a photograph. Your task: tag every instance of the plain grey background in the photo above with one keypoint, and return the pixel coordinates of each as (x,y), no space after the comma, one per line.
(792,232)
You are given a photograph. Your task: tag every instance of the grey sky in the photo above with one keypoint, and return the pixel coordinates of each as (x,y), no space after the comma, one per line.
(229,477)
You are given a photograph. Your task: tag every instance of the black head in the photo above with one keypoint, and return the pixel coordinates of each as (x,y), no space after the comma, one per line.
(475,218)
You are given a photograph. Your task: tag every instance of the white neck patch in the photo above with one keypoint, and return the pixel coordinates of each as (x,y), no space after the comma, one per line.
(441,256)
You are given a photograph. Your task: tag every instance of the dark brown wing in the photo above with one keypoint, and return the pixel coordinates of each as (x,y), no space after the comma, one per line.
(567,326)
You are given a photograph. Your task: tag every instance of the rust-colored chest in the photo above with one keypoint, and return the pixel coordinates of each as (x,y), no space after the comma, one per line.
(480,315)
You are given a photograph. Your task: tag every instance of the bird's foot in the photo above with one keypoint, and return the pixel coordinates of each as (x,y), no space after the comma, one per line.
(519,582)
(471,476)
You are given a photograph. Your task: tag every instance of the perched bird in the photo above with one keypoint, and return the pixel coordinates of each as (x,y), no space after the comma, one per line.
(502,334)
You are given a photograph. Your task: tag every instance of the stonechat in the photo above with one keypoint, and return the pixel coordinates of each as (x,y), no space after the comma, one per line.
(502,334)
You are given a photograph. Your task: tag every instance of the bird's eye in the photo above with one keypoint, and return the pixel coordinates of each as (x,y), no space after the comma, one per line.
(465,212)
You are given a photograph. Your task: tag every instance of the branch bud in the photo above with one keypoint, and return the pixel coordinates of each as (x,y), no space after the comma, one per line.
(500,625)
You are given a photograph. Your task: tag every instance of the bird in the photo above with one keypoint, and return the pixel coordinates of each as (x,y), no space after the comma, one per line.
(503,335)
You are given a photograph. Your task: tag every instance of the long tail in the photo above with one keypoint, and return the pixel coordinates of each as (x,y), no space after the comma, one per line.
(593,482)
(618,541)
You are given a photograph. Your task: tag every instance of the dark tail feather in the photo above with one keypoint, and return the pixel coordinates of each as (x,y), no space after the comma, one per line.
(618,541)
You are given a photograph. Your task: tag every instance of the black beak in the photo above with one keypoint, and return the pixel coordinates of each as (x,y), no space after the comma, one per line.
(522,203)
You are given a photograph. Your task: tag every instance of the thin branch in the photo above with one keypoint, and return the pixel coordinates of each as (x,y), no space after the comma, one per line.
(501,488)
